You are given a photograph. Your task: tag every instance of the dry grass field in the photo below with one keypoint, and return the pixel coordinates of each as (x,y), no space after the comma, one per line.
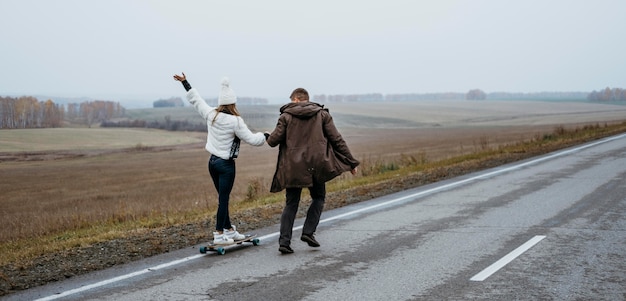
(76,200)
(59,179)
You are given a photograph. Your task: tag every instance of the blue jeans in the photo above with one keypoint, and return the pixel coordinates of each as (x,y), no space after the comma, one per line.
(223,174)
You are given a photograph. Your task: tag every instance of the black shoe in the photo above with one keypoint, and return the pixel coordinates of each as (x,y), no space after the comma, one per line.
(285,249)
(310,239)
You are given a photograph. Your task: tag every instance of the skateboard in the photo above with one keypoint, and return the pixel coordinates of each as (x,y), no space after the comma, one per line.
(220,248)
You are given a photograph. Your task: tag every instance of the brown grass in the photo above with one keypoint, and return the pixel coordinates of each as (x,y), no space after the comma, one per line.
(45,197)
(148,186)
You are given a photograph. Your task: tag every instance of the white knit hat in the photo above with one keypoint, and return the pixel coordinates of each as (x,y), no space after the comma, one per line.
(227,96)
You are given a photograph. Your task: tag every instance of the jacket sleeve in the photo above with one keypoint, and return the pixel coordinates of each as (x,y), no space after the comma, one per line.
(186,85)
(201,106)
(337,142)
(243,132)
(278,135)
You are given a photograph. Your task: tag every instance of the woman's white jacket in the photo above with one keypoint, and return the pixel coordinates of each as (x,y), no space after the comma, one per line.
(222,132)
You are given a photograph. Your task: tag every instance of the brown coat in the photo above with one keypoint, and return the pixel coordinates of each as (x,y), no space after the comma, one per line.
(311,148)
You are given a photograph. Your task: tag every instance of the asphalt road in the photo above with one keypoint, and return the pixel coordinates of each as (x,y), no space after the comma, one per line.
(549,228)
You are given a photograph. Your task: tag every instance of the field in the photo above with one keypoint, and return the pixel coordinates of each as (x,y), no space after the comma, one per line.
(75,200)
(69,178)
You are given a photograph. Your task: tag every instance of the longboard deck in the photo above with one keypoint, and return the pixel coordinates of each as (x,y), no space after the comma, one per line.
(220,249)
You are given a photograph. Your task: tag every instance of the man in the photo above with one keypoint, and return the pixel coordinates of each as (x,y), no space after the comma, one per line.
(311,153)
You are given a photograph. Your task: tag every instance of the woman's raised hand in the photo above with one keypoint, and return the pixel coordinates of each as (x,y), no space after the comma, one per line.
(179,77)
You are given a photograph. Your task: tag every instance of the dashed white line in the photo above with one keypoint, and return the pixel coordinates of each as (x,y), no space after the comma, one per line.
(484,274)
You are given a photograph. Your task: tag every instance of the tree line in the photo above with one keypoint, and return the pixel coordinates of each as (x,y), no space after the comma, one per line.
(241,101)
(90,112)
(168,103)
(608,94)
(168,124)
(27,112)
(474,94)
(178,102)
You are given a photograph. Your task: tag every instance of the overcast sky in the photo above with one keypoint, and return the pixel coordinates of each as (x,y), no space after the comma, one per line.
(125,49)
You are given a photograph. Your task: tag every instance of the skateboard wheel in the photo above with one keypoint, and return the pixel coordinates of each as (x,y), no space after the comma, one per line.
(203,250)
(220,251)
(256,241)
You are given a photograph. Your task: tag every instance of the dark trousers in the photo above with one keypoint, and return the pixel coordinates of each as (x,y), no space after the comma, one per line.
(318,196)
(223,175)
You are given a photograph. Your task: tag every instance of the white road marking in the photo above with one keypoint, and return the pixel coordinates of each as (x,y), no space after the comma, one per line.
(484,274)
(120,278)
(387,203)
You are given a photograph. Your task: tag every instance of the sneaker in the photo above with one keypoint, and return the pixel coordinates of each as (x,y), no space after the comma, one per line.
(221,239)
(310,239)
(285,249)
(234,235)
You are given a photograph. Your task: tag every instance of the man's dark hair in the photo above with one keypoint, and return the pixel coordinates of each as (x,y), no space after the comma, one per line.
(300,94)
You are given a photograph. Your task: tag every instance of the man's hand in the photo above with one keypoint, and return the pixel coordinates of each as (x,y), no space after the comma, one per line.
(179,77)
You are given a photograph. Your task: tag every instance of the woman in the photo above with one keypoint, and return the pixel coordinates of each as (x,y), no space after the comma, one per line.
(225,129)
